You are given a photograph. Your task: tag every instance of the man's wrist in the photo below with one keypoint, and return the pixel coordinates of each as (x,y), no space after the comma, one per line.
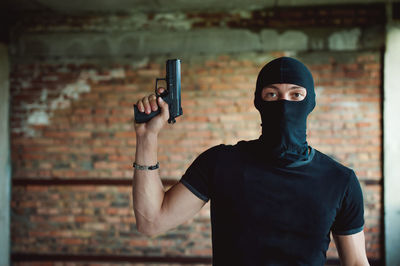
(146,167)
(147,136)
(147,141)
(146,149)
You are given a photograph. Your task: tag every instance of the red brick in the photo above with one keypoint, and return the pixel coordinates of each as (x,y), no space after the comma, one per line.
(80,134)
(71,241)
(126,134)
(55,134)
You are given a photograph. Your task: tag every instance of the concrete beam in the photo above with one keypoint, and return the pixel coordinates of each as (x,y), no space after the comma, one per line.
(5,163)
(184,43)
(77,6)
(392,145)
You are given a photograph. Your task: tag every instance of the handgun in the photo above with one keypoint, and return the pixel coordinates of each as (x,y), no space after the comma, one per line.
(172,95)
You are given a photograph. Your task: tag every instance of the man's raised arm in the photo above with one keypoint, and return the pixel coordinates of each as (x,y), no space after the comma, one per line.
(157,211)
(351,249)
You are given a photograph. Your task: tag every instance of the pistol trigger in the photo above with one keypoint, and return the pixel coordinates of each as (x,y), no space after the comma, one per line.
(165,93)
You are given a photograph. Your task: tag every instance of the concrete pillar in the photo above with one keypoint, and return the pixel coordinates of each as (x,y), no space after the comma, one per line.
(5,163)
(391,130)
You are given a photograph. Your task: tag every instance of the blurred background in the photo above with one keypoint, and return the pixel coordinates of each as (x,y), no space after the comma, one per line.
(70,72)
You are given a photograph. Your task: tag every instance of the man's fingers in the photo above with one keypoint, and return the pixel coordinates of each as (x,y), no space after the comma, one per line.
(146,105)
(153,102)
(140,106)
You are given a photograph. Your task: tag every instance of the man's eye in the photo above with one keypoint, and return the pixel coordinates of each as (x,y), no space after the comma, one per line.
(297,96)
(271,94)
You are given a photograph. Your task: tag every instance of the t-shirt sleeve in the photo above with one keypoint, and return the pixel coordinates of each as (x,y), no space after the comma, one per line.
(350,217)
(197,177)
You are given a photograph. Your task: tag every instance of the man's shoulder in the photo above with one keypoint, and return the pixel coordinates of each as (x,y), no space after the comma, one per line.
(216,149)
(330,163)
(226,152)
(239,146)
(214,153)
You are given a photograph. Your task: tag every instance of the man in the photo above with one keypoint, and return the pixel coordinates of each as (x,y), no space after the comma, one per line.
(274,200)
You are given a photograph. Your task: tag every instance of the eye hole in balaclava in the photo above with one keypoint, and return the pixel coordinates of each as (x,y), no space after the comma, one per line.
(284,122)
(285,70)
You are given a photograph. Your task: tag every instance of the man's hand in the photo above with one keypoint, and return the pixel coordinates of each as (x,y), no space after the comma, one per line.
(148,104)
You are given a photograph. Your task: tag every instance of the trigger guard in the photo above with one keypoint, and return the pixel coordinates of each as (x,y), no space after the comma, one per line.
(156,88)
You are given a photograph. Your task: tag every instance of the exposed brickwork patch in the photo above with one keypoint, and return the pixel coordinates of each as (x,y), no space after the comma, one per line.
(93,137)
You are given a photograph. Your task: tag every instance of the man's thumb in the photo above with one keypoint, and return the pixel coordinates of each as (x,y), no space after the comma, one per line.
(164,107)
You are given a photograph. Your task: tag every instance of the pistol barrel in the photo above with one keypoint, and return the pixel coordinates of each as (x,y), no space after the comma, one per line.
(174,88)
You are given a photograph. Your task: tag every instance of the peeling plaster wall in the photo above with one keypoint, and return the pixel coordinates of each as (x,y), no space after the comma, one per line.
(40,110)
(139,35)
(345,39)
(197,41)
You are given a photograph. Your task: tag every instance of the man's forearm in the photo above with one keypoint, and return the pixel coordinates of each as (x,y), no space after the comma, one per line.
(148,191)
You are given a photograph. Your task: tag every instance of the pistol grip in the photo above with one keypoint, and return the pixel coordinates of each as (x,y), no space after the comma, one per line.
(143,117)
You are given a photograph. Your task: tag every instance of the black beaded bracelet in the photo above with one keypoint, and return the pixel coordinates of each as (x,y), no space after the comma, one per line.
(146,167)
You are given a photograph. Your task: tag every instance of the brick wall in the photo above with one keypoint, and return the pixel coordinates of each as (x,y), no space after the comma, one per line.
(74,122)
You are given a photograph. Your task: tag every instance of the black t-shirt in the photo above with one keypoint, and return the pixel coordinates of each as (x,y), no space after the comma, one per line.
(263,214)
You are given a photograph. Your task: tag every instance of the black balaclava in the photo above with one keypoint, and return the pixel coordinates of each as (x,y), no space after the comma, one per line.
(284,122)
